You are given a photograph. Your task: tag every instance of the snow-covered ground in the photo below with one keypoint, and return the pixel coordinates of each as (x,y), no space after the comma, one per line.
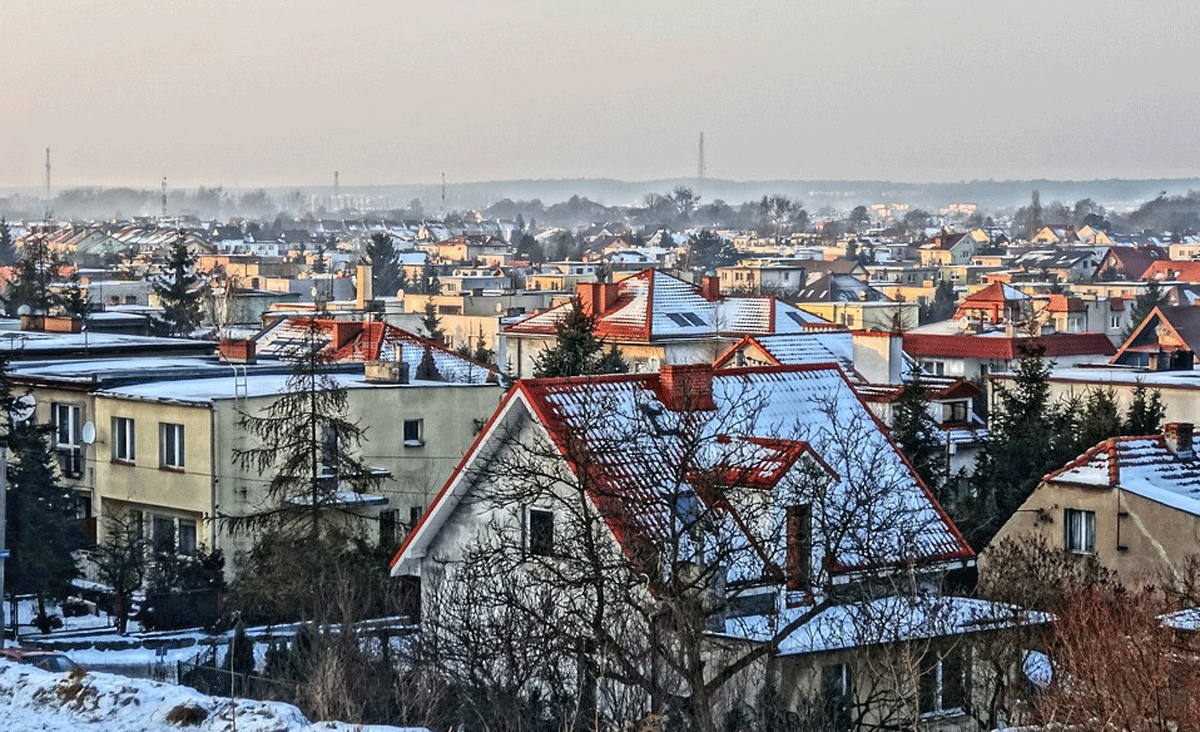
(32,699)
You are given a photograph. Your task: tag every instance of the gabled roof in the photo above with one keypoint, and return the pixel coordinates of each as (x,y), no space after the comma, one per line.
(1170,269)
(654,305)
(1165,328)
(786,349)
(997,292)
(1003,348)
(1131,261)
(356,340)
(798,411)
(1141,465)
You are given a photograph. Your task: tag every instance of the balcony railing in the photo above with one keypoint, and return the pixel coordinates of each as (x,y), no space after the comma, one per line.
(70,461)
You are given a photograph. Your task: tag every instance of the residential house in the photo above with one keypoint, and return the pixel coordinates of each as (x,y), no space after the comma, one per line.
(819,547)
(948,248)
(975,355)
(654,318)
(995,304)
(1131,503)
(1170,334)
(1128,263)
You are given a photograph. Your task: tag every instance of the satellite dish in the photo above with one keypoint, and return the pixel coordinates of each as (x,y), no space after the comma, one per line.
(23,407)
(88,433)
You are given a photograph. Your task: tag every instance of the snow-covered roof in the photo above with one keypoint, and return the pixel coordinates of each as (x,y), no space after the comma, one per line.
(653,305)
(889,619)
(357,341)
(769,427)
(1144,466)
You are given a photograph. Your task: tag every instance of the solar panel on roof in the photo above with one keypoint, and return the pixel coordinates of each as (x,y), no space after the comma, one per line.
(694,319)
(678,319)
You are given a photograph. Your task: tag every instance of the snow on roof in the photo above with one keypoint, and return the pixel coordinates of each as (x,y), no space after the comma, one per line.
(1144,466)
(835,346)
(652,305)
(34,700)
(883,620)
(763,417)
(357,341)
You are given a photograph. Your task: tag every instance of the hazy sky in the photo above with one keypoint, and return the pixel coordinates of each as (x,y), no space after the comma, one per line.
(277,92)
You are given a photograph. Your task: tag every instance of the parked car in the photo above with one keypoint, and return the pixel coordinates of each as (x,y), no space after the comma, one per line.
(45,660)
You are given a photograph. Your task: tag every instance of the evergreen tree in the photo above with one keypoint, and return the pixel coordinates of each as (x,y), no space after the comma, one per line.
(42,533)
(120,560)
(577,350)
(35,271)
(431,322)
(1099,418)
(386,275)
(1151,298)
(1146,412)
(918,434)
(1030,436)
(427,369)
(307,444)
(943,305)
(178,290)
(8,253)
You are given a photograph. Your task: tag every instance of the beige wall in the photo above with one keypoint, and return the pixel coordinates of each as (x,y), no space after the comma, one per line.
(1141,540)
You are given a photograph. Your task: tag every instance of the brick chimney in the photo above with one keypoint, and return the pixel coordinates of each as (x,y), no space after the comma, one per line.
(687,386)
(597,298)
(236,350)
(1178,436)
(710,287)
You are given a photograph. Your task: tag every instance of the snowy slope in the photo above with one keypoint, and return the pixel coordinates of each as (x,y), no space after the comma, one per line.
(32,699)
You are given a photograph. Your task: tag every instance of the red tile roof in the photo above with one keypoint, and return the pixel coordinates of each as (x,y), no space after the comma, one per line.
(1003,348)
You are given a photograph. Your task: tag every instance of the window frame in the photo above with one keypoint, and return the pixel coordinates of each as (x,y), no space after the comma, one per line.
(158,534)
(419,439)
(934,690)
(539,532)
(74,424)
(171,435)
(186,528)
(1079,531)
(124,435)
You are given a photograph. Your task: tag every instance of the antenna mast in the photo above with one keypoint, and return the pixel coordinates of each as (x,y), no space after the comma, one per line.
(337,190)
(700,168)
(443,193)
(164,197)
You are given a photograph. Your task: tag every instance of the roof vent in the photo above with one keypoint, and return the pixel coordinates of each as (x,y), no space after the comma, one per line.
(1178,436)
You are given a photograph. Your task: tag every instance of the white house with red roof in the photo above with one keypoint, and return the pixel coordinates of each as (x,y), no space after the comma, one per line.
(767,500)
(655,318)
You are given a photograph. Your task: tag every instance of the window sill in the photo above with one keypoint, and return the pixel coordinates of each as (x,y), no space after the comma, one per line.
(171,468)
(122,461)
(414,443)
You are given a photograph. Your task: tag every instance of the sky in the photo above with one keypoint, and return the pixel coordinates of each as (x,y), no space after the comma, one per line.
(245,93)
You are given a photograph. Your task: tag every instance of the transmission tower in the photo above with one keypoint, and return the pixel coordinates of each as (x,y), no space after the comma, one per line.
(700,169)
(164,197)
(49,212)
(337,191)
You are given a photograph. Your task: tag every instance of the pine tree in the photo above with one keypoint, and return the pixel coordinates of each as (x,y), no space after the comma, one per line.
(307,444)
(1146,412)
(918,434)
(387,278)
(1151,298)
(42,533)
(431,322)
(177,287)
(577,350)
(1030,435)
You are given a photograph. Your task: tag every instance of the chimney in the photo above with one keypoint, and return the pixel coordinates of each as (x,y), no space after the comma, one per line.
(710,287)
(1178,436)
(596,298)
(236,350)
(344,330)
(386,372)
(364,285)
(687,386)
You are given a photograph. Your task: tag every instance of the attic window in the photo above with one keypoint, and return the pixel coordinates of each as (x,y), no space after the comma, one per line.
(686,320)
(540,532)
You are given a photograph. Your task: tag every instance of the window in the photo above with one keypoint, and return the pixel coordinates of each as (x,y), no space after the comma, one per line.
(835,696)
(122,430)
(943,683)
(187,537)
(66,424)
(387,527)
(1080,531)
(540,532)
(137,523)
(799,548)
(163,538)
(414,516)
(413,434)
(171,441)
(955,412)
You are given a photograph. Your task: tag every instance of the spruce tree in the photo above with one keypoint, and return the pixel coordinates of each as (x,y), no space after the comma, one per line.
(918,434)
(42,533)
(577,351)
(1146,412)
(8,254)
(177,287)
(306,444)
(35,271)
(387,278)
(1151,298)
(431,322)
